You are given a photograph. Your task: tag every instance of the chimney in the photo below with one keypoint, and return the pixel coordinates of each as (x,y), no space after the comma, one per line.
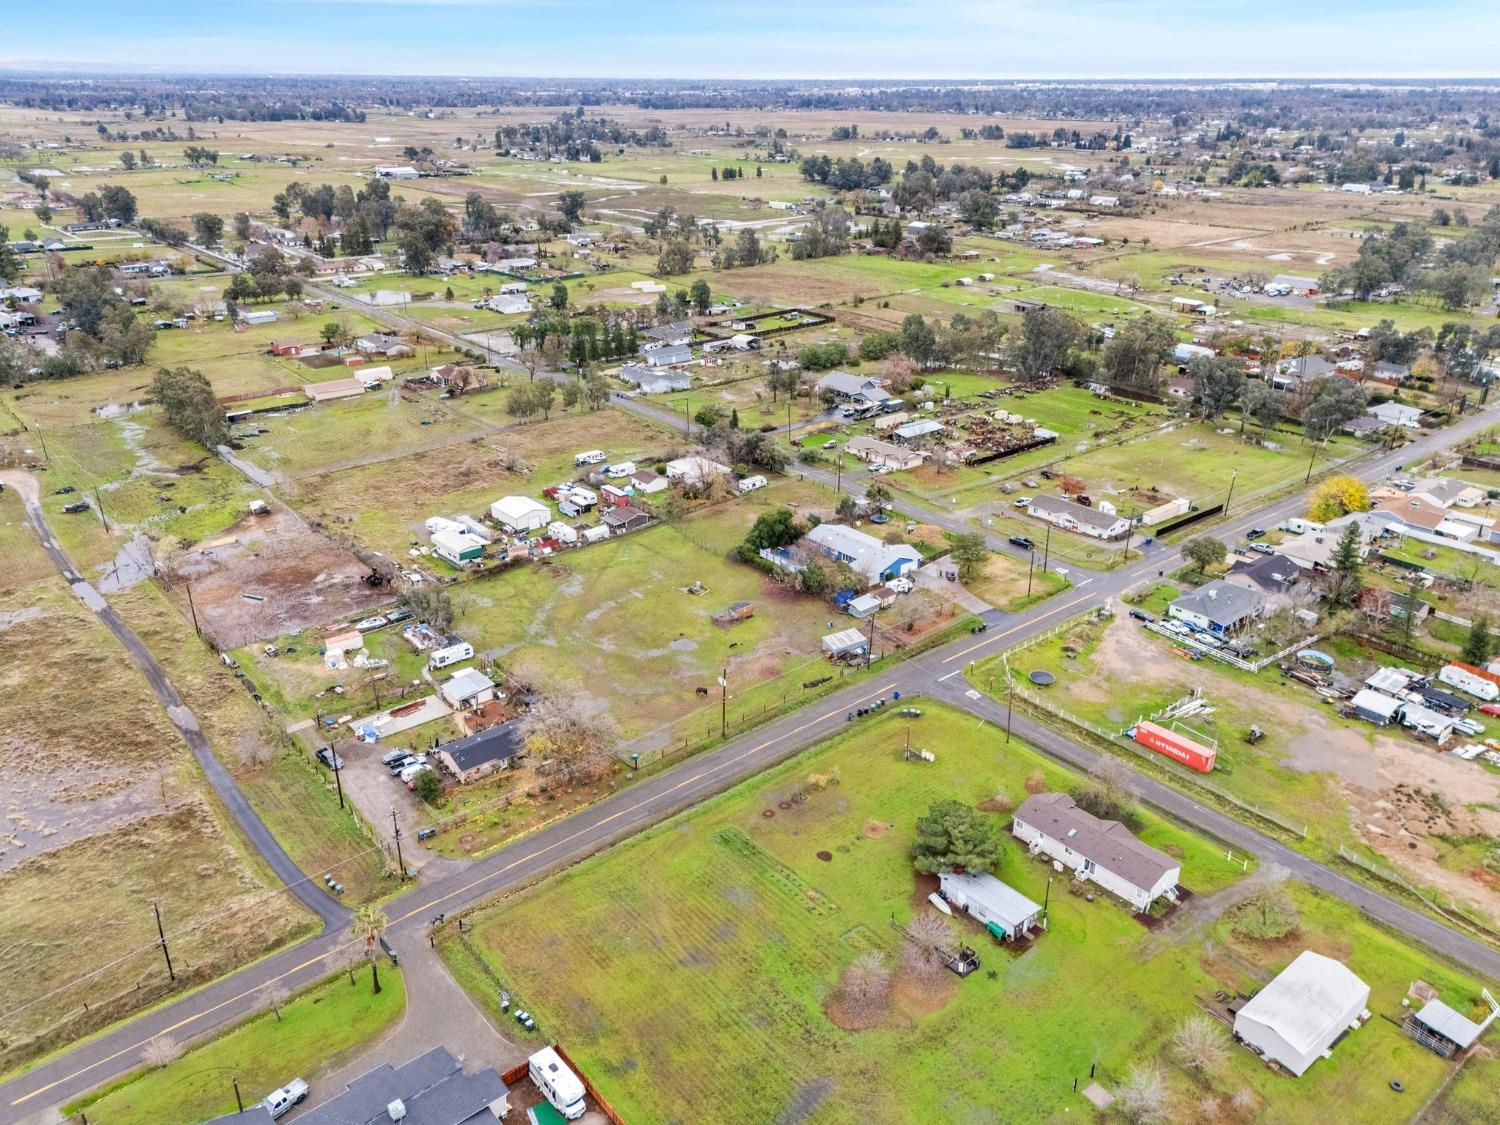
(397,1110)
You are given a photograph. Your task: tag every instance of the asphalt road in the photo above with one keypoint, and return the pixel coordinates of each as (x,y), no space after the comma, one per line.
(660,795)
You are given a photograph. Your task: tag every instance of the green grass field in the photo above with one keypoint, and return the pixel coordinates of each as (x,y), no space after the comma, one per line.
(317,1030)
(718,936)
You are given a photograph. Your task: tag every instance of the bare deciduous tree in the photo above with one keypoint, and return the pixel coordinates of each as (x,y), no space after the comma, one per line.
(343,959)
(161,1051)
(1143,1097)
(865,987)
(275,997)
(1199,1044)
(567,743)
(927,937)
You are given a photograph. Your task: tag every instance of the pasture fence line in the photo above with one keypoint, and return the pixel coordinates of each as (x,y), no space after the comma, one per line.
(1452,912)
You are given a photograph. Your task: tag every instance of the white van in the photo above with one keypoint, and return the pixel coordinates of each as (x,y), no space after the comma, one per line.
(443,657)
(558,1084)
(592,457)
(750,484)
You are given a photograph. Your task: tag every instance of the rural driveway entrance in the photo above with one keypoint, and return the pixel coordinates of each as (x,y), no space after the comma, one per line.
(375,793)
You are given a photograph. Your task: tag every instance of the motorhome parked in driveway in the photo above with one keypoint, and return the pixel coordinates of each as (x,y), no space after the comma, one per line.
(452,654)
(558,1084)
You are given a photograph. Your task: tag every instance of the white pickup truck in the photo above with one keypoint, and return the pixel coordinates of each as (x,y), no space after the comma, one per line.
(279,1101)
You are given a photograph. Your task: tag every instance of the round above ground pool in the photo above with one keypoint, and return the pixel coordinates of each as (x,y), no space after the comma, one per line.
(1315,658)
(1041,678)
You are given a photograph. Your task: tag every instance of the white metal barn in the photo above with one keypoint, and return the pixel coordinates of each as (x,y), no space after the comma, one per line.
(1294,1020)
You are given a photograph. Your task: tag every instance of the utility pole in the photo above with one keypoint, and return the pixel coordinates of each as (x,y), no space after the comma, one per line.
(1230,496)
(102,517)
(1030,567)
(400,863)
(839,486)
(193,609)
(163,935)
(724,703)
(334,760)
(237,1100)
(1047,547)
(1010,692)
(870,647)
(1310,461)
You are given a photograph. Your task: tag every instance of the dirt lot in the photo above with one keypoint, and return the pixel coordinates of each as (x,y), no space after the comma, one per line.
(1405,799)
(305,579)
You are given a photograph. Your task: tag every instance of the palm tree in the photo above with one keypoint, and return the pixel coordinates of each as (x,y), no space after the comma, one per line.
(368,924)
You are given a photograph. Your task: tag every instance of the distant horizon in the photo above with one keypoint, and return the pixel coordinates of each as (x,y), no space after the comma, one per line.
(1026,40)
(84,72)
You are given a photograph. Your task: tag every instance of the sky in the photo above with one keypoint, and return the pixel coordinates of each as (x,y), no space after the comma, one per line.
(1001,39)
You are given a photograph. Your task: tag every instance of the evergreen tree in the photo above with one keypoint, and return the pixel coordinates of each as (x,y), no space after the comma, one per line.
(1345,582)
(1479,646)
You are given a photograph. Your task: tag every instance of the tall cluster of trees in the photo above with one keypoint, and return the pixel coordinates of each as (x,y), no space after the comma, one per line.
(576,136)
(110,202)
(187,400)
(270,274)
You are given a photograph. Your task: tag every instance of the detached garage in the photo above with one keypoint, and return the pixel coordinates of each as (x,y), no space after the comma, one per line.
(1297,1018)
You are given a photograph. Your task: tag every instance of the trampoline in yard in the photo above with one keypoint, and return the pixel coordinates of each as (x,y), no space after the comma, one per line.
(1041,678)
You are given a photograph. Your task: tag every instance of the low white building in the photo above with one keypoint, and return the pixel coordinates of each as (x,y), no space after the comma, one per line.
(695,470)
(1397,414)
(1102,851)
(1295,1020)
(466,689)
(1070,516)
(995,905)
(520,513)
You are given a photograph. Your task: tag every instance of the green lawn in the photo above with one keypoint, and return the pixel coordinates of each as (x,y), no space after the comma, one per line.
(719,934)
(318,1029)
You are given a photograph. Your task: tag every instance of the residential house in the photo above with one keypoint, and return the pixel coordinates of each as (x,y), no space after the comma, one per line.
(432,1089)
(871,559)
(466,689)
(679,332)
(623,518)
(856,389)
(520,513)
(653,382)
(397,172)
(1448,491)
(695,470)
(1313,549)
(1272,576)
(1291,374)
(509,304)
(494,748)
(1001,909)
(1101,851)
(1390,372)
(1181,386)
(1096,522)
(648,483)
(380,345)
(1363,427)
(1397,414)
(884,455)
(1220,607)
(1419,514)
(253,317)
(668,355)
(1303,1012)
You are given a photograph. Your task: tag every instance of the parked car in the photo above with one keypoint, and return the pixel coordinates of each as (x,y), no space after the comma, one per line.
(1256,533)
(391,757)
(330,759)
(398,615)
(1468,726)
(1141,615)
(64,490)
(411,771)
(1263,548)
(77,506)
(1489,708)
(1022,542)
(1021,501)
(279,1101)
(400,764)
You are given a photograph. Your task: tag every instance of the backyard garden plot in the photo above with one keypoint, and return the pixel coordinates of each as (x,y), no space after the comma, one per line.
(1349,783)
(721,934)
(104,813)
